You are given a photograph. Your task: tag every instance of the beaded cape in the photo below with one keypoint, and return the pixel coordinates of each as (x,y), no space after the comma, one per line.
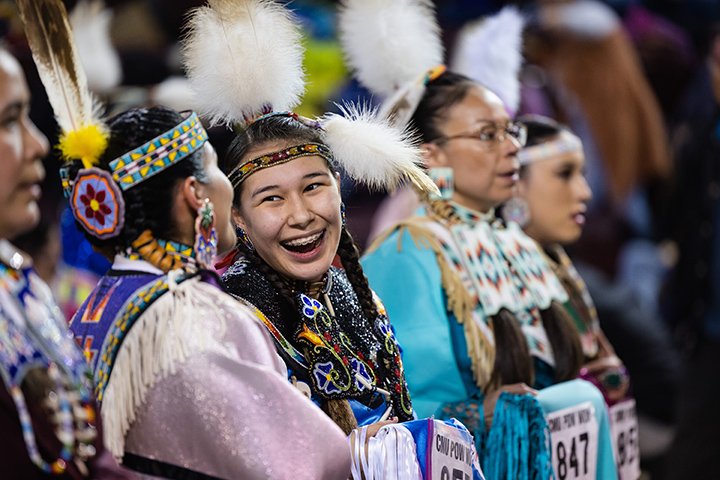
(486,267)
(104,319)
(338,352)
(33,336)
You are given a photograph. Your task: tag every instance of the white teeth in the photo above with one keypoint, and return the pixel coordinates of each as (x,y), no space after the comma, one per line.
(303,241)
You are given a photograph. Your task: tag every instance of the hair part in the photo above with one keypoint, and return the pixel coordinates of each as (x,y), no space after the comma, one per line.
(441,94)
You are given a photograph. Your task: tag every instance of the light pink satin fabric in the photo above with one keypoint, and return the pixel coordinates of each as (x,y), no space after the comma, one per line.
(238,418)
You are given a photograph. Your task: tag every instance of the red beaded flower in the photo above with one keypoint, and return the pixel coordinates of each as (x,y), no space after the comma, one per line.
(97,203)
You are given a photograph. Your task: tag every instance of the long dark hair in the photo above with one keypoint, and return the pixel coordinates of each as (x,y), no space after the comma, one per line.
(513,362)
(287,128)
(147,203)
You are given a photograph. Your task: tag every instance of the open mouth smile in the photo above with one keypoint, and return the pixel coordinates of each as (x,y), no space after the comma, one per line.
(304,246)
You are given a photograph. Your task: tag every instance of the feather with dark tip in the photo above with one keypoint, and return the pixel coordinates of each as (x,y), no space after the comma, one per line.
(51,42)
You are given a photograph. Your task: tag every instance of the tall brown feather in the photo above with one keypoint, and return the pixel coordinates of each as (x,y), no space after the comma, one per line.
(51,42)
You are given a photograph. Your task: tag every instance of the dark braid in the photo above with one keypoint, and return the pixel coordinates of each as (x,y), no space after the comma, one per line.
(148,204)
(350,258)
(268,272)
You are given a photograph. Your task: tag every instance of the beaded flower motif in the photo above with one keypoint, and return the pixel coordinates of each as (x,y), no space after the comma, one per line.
(97,203)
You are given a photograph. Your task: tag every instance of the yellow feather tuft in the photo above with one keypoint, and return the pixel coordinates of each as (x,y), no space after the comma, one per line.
(86,144)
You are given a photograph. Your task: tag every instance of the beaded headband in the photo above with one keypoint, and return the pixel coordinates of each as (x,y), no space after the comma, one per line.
(565,143)
(241,172)
(159,153)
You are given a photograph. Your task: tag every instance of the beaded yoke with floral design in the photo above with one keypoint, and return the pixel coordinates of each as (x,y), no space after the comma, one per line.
(333,348)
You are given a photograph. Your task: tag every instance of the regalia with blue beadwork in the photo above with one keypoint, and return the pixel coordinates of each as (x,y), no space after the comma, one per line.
(335,350)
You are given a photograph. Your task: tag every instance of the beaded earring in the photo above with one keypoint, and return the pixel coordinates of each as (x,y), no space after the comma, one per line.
(444,178)
(206,239)
(516,210)
(342,213)
(243,237)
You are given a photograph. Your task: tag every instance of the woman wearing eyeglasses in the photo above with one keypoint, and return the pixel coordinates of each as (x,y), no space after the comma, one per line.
(474,304)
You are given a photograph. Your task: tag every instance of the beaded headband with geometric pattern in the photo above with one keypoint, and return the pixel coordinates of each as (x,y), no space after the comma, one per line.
(159,153)
(244,170)
(95,195)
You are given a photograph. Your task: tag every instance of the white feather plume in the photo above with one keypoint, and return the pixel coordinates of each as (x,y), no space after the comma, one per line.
(372,152)
(174,92)
(242,56)
(490,52)
(90,22)
(389,43)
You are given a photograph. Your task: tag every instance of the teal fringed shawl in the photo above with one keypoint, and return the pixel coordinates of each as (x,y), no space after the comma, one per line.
(516,447)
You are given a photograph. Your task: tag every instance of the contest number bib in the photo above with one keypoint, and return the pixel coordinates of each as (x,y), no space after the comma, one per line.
(624,428)
(451,454)
(574,440)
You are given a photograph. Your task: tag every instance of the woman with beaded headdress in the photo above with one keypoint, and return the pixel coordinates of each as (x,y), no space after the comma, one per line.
(329,327)
(48,420)
(477,309)
(188,381)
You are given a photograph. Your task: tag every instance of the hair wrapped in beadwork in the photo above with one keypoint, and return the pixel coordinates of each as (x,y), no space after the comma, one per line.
(244,61)
(94,194)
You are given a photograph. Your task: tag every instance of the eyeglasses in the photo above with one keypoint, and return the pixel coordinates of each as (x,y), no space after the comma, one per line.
(493,133)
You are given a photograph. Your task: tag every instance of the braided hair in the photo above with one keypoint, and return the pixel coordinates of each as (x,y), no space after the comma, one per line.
(281,127)
(146,204)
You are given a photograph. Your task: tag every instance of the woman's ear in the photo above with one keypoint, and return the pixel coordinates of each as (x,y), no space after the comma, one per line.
(237,220)
(189,191)
(433,155)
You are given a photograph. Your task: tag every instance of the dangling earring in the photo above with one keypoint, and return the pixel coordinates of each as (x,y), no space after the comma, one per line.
(444,178)
(205,235)
(244,239)
(516,210)
(342,213)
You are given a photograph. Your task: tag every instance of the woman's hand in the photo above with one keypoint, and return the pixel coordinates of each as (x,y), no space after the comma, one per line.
(373,428)
(605,367)
(491,398)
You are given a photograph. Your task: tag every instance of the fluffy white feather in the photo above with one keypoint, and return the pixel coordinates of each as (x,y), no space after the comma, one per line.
(372,152)
(242,56)
(176,93)
(90,22)
(389,43)
(490,52)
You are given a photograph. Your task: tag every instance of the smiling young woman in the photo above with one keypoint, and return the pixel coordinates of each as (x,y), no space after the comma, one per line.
(291,218)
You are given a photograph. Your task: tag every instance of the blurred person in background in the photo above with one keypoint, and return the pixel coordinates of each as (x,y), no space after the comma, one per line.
(692,296)
(551,203)
(591,79)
